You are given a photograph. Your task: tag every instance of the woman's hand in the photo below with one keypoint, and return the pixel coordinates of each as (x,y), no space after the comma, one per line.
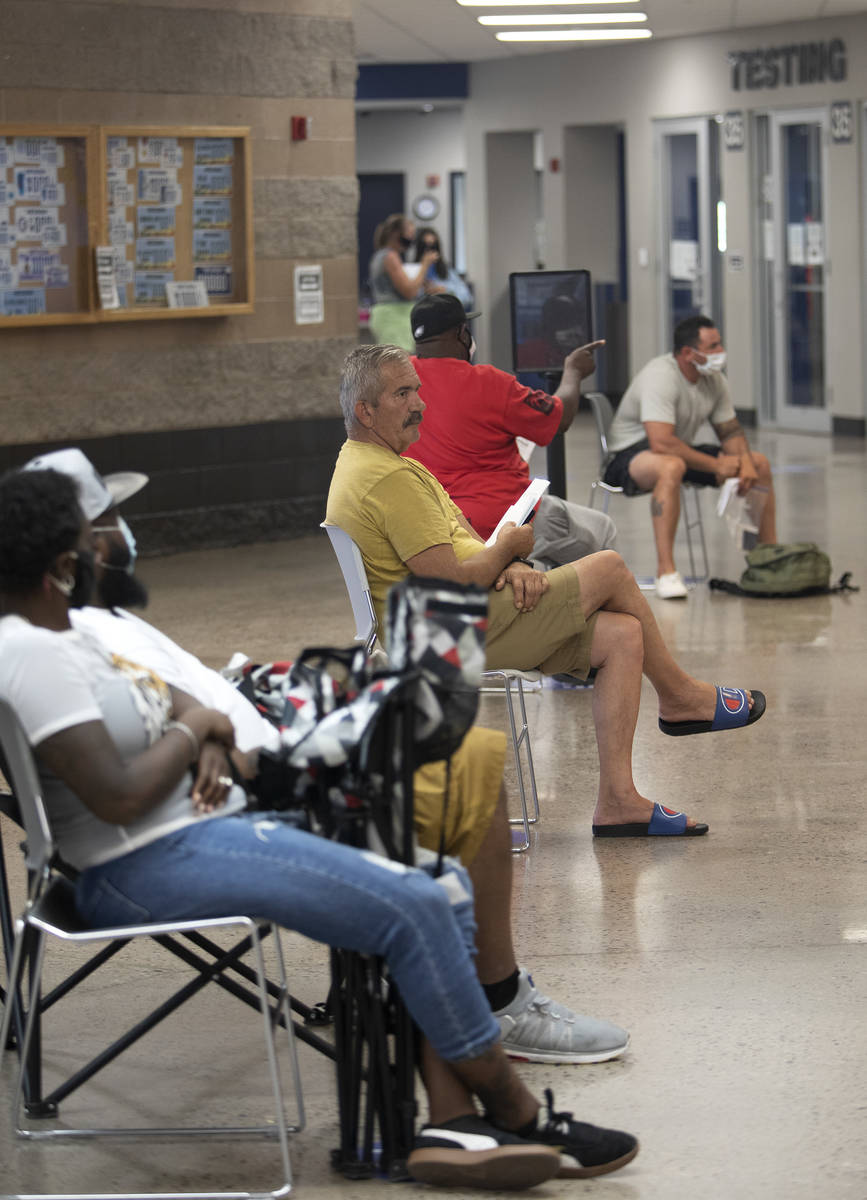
(213,779)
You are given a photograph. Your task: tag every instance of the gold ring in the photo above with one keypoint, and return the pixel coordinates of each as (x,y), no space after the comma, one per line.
(225,780)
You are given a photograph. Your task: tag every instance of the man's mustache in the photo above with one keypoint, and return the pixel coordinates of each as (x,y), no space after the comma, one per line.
(414,418)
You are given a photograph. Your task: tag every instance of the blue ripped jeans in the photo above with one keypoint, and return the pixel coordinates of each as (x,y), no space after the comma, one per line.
(254,864)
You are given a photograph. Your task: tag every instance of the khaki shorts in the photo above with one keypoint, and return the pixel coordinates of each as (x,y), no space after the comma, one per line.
(474,789)
(554,637)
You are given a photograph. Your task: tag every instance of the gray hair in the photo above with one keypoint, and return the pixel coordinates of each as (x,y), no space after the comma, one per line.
(361,377)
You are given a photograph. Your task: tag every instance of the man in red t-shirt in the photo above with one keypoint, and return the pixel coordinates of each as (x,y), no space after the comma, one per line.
(474,414)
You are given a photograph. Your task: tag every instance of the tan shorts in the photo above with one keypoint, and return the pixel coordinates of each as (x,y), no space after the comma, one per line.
(474,789)
(554,637)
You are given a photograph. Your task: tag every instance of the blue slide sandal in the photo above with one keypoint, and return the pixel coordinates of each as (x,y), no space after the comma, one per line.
(732,712)
(665,822)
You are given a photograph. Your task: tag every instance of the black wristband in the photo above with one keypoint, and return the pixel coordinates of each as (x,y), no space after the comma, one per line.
(525,561)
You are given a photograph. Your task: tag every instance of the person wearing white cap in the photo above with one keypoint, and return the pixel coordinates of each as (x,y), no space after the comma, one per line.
(117,588)
(97,493)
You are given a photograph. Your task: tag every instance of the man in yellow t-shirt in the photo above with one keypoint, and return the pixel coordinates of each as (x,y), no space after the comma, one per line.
(589,613)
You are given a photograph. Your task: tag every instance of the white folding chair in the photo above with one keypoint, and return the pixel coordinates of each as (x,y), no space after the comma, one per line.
(603,414)
(520,741)
(50,910)
(355,578)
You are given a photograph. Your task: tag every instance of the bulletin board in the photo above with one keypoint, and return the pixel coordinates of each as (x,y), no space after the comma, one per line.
(95,222)
(176,207)
(45,235)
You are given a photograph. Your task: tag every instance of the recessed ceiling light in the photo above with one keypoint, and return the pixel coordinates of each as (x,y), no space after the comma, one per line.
(573,35)
(602,18)
(534,3)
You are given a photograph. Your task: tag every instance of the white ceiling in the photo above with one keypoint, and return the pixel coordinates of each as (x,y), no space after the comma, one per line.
(444,31)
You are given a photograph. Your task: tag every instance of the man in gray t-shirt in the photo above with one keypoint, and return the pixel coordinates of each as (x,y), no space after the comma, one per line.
(653,437)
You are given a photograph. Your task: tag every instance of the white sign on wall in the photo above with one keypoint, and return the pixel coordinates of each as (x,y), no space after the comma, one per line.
(309,296)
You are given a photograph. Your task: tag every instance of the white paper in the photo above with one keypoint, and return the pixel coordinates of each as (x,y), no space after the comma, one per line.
(54,235)
(795,243)
(161,151)
(815,243)
(742,514)
(31,223)
(683,260)
(523,506)
(31,182)
(155,253)
(120,230)
(122,159)
(158,185)
(106,279)
(187,294)
(33,264)
(309,296)
(28,151)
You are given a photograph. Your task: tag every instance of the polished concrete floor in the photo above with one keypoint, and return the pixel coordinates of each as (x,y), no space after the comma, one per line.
(736,960)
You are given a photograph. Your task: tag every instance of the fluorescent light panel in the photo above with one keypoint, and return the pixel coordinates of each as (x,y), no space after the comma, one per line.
(535,3)
(574,35)
(603,18)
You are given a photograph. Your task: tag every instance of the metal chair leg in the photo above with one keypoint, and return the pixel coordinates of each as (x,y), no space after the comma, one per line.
(691,522)
(521,738)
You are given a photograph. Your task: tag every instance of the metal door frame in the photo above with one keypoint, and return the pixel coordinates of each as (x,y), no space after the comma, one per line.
(707,281)
(789,416)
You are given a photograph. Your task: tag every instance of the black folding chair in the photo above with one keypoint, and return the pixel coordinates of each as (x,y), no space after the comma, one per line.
(50,912)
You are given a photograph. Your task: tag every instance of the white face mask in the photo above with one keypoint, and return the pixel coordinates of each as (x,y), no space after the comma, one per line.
(712,364)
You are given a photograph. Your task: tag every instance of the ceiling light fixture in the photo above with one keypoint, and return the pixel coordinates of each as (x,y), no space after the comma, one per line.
(574,35)
(603,18)
(534,3)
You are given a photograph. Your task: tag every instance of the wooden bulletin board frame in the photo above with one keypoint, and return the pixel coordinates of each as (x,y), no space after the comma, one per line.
(76,217)
(92,225)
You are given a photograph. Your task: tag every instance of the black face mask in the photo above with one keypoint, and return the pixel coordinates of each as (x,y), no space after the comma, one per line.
(405,242)
(85,575)
(116,588)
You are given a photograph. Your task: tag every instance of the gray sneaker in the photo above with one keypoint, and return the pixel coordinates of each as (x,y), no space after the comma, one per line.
(536,1029)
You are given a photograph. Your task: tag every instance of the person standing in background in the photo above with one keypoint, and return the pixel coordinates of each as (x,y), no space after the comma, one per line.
(439,272)
(393,289)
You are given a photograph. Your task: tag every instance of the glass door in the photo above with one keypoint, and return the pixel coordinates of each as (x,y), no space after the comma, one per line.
(793,267)
(688,157)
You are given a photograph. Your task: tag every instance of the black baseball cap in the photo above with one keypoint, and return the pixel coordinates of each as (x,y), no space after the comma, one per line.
(436,314)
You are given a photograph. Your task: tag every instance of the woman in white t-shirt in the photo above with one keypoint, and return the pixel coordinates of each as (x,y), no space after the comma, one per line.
(141,802)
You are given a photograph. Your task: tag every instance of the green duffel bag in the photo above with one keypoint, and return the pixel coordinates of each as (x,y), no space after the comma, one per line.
(787,569)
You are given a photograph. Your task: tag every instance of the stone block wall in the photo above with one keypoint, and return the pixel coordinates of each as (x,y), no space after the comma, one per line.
(211,408)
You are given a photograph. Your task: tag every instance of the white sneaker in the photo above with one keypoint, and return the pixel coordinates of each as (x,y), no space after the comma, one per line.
(536,1029)
(671,587)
